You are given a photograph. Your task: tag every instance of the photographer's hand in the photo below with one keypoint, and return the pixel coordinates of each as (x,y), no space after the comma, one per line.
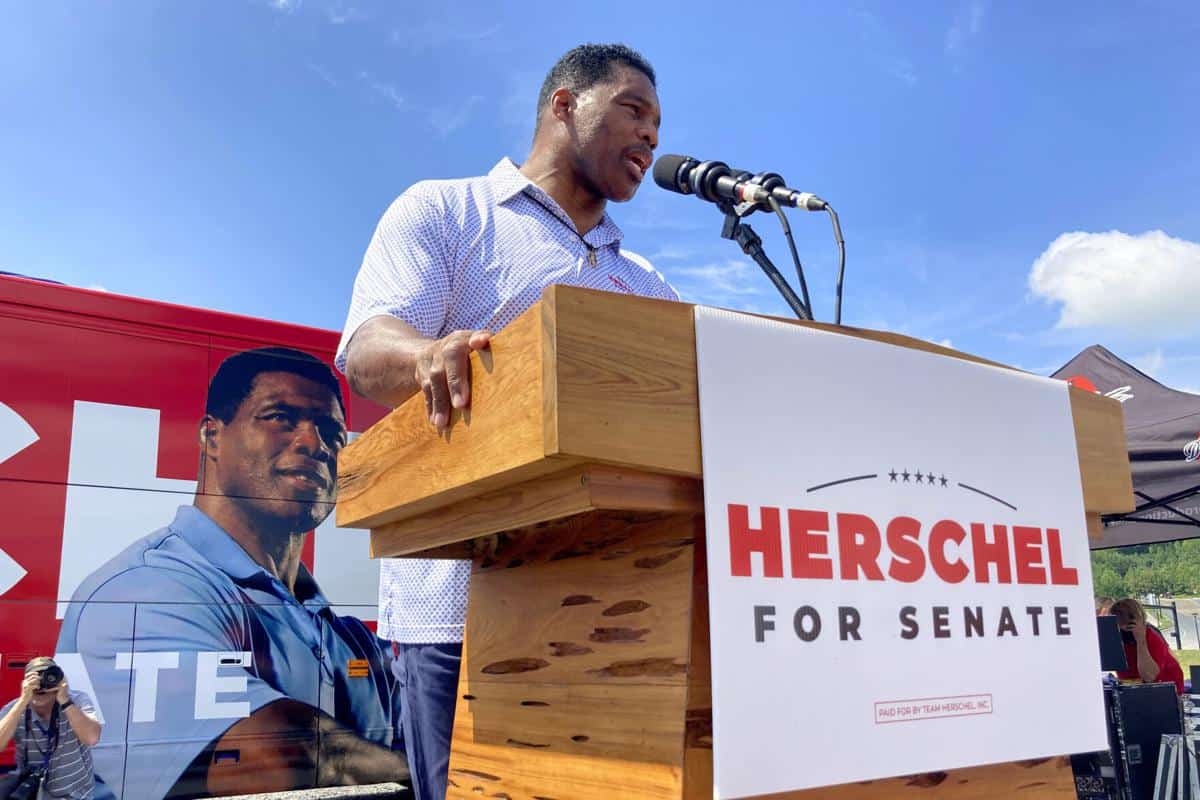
(1147,667)
(87,728)
(8,725)
(29,687)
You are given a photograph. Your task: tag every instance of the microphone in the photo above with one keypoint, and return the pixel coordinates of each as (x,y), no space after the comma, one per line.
(716,182)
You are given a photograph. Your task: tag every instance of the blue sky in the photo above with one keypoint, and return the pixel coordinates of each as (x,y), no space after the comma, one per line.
(1017,179)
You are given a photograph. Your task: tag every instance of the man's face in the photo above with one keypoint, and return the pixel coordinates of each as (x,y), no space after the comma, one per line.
(43,701)
(615,132)
(277,457)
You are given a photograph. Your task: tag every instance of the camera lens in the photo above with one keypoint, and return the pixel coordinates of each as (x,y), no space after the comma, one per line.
(51,677)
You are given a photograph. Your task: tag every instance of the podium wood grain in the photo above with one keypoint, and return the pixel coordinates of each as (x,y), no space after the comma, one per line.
(597,377)
(388,472)
(577,683)
(574,484)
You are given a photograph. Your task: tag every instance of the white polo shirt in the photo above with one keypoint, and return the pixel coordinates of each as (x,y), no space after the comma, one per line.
(462,255)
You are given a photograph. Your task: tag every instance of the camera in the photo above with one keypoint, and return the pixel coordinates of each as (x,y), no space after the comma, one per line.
(31,781)
(50,678)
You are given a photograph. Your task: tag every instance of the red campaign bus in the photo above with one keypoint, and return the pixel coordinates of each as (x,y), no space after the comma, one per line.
(101,401)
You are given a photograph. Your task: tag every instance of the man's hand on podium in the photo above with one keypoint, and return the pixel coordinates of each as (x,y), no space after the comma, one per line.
(443,371)
(388,361)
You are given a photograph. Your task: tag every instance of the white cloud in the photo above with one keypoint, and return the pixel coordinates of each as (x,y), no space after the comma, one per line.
(903,71)
(95,287)
(968,22)
(323,74)
(518,105)
(945,343)
(1175,370)
(339,14)
(335,12)
(1144,284)
(447,119)
(434,34)
(652,218)
(673,252)
(731,283)
(729,277)
(1150,363)
(384,90)
(882,47)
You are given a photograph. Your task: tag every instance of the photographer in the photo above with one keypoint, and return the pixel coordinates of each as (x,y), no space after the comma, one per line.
(54,729)
(1146,651)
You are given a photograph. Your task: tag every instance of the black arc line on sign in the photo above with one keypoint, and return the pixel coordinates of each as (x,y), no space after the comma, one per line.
(989,496)
(842,480)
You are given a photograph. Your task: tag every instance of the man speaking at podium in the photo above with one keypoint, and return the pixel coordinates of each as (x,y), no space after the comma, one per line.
(451,262)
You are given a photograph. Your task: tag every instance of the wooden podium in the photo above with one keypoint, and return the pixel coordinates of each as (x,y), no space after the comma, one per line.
(574,482)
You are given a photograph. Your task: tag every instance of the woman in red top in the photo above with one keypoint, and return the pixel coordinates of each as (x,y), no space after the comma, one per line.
(1146,651)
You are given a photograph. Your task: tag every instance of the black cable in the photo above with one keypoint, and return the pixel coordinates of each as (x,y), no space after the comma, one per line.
(751,245)
(787,232)
(837,234)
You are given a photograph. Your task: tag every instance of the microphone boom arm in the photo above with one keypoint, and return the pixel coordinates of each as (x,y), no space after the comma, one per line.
(750,242)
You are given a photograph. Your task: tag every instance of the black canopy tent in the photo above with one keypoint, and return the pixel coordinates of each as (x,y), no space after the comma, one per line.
(1162,428)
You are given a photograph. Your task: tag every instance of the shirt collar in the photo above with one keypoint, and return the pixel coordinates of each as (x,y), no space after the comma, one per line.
(210,540)
(508,182)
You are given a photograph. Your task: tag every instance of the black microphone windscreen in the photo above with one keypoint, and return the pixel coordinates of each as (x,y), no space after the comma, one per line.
(666,171)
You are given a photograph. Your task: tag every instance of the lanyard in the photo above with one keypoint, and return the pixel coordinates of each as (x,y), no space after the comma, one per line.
(591,250)
(50,733)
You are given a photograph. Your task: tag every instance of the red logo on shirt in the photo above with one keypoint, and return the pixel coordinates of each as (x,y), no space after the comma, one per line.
(620,284)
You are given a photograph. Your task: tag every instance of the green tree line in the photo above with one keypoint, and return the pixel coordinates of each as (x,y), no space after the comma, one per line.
(1170,568)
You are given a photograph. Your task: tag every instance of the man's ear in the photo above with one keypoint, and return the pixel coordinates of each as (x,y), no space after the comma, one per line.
(562,104)
(210,434)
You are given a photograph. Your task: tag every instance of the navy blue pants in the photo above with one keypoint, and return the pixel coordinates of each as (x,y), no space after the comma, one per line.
(428,675)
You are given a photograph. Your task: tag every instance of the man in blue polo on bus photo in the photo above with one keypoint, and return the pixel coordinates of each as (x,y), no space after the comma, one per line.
(219,665)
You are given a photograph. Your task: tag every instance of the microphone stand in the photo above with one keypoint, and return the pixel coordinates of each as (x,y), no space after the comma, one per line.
(736,230)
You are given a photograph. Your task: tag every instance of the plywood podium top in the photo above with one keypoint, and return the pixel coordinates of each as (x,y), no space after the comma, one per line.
(586,377)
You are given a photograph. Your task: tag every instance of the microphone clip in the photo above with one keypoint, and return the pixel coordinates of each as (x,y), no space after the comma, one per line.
(751,243)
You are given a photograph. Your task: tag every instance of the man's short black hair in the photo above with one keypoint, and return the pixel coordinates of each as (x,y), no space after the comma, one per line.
(234,379)
(584,66)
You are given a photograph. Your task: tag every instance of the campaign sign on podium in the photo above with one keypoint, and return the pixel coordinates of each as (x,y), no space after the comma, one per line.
(899,577)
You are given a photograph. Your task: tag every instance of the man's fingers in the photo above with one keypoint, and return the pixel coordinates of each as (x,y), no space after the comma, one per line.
(439,392)
(456,353)
(456,357)
(444,373)
(479,339)
(428,394)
